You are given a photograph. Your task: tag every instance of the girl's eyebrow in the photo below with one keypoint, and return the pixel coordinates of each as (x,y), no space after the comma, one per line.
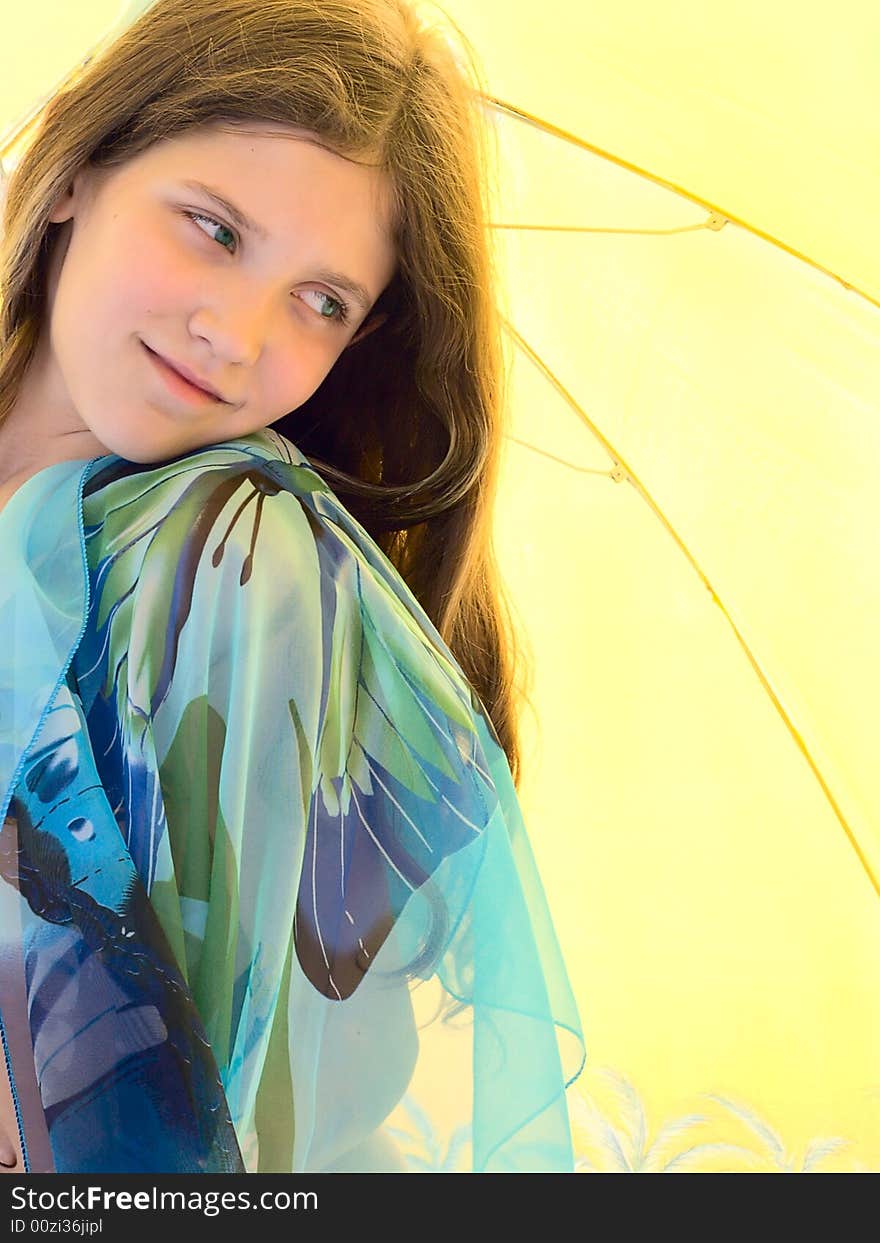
(247,225)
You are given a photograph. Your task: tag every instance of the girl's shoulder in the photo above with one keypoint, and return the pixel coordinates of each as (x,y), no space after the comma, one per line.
(248,524)
(116,490)
(256,490)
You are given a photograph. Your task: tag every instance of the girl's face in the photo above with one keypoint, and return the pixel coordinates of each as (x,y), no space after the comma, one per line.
(148,263)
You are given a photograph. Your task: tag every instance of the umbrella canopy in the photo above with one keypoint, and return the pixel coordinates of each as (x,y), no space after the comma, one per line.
(687,528)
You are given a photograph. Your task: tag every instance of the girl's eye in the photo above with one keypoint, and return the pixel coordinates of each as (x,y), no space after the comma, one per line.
(341,313)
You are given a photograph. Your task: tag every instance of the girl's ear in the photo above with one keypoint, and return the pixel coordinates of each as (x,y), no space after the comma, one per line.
(367,328)
(85,183)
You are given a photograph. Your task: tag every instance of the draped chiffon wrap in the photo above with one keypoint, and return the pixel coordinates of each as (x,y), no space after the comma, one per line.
(267,900)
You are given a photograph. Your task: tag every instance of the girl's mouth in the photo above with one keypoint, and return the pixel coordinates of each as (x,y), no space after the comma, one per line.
(178,386)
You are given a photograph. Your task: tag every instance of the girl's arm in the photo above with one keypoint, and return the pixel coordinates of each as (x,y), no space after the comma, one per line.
(10,1149)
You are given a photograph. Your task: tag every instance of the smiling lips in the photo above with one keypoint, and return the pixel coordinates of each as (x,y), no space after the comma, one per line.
(190,377)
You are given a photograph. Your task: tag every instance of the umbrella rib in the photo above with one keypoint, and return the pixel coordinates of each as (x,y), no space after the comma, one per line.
(621,472)
(554,457)
(715,212)
(714,223)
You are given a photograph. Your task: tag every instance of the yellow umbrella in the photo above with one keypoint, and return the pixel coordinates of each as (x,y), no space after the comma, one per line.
(688,533)
(686,528)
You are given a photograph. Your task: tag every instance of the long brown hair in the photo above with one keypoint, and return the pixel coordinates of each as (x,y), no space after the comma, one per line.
(407,426)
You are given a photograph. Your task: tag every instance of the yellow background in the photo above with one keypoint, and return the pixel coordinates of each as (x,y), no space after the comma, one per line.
(688,529)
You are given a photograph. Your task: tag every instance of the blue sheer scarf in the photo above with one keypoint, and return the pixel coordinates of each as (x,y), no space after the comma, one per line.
(267,900)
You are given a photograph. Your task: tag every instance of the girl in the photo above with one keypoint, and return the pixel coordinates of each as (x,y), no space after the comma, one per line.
(267,902)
